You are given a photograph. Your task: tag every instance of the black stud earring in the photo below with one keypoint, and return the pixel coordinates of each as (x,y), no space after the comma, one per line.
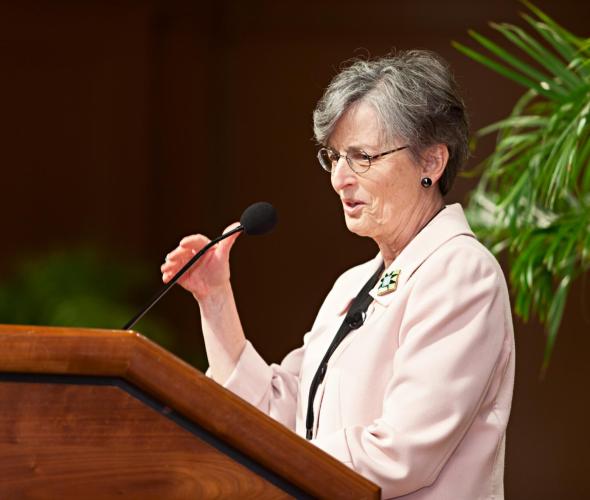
(426,182)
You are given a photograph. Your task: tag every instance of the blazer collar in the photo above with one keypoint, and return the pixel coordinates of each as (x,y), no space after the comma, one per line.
(353,281)
(447,224)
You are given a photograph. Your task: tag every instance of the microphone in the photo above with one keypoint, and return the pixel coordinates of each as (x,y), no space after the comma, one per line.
(259,218)
(356,319)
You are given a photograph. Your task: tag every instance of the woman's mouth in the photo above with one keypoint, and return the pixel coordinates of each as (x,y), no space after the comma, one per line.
(352,207)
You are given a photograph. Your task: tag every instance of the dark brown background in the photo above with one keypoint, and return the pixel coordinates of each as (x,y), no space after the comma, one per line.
(133,123)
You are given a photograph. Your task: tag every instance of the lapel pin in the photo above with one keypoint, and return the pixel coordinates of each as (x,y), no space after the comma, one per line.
(388,283)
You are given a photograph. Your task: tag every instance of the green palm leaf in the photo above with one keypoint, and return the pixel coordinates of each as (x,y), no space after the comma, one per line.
(533,198)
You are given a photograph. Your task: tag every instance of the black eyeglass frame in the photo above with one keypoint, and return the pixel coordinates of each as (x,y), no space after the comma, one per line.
(367,157)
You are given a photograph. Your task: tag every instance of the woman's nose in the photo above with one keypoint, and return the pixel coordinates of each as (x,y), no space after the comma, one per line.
(342,174)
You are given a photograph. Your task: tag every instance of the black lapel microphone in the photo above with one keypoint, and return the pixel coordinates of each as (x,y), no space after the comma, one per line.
(258,218)
(354,319)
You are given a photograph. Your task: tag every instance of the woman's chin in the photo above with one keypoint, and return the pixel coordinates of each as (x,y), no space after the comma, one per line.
(356,226)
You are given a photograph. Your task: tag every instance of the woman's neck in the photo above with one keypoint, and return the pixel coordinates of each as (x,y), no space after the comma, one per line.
(391,245)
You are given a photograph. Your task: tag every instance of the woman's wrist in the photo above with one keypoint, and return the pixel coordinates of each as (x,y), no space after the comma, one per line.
(222,331)
(215,297)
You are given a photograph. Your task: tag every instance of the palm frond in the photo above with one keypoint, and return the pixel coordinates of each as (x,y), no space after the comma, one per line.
(533,198)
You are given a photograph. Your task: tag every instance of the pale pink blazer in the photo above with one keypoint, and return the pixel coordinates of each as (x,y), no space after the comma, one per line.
(417,399)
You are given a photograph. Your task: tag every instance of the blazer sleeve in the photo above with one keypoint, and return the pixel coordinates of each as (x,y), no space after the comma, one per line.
(451,340)
(270,388)
(273,389)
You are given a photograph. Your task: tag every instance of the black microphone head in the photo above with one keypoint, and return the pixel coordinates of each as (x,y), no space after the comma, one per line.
(259,218)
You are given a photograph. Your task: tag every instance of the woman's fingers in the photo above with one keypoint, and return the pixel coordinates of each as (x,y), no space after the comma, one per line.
(178,257)
(188,247)
(169,269)
(194,242)
(179,254)
(213,265)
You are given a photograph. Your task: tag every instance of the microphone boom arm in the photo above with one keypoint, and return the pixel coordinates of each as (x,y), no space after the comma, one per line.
(177,276)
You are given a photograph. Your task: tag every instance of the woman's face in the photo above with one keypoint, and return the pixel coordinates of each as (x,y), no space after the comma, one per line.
(381,202)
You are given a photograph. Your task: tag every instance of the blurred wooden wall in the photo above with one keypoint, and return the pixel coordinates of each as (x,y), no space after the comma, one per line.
(134,123)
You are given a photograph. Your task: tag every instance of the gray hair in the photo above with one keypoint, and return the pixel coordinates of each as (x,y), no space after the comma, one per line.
(416,99)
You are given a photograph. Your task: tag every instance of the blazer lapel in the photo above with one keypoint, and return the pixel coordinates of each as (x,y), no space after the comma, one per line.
(448,224)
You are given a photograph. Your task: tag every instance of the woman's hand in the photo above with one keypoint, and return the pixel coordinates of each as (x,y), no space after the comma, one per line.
(208,281)
(210,273)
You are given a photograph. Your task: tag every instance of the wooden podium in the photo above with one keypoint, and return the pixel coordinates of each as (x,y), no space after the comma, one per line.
(105,413)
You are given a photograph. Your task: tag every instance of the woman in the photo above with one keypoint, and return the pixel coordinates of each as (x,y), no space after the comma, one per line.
(417,397)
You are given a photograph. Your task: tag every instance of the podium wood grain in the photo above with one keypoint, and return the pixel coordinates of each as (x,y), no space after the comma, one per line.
(99,441)
(109,445)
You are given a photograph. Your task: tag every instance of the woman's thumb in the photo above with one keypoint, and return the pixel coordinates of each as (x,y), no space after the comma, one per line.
(226,245)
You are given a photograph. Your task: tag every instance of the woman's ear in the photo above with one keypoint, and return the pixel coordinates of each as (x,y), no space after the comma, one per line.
(434,161)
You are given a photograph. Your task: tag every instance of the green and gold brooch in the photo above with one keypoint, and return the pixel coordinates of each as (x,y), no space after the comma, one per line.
(388,282)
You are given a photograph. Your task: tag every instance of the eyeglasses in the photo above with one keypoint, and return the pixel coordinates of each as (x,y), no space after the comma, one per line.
(358,160)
